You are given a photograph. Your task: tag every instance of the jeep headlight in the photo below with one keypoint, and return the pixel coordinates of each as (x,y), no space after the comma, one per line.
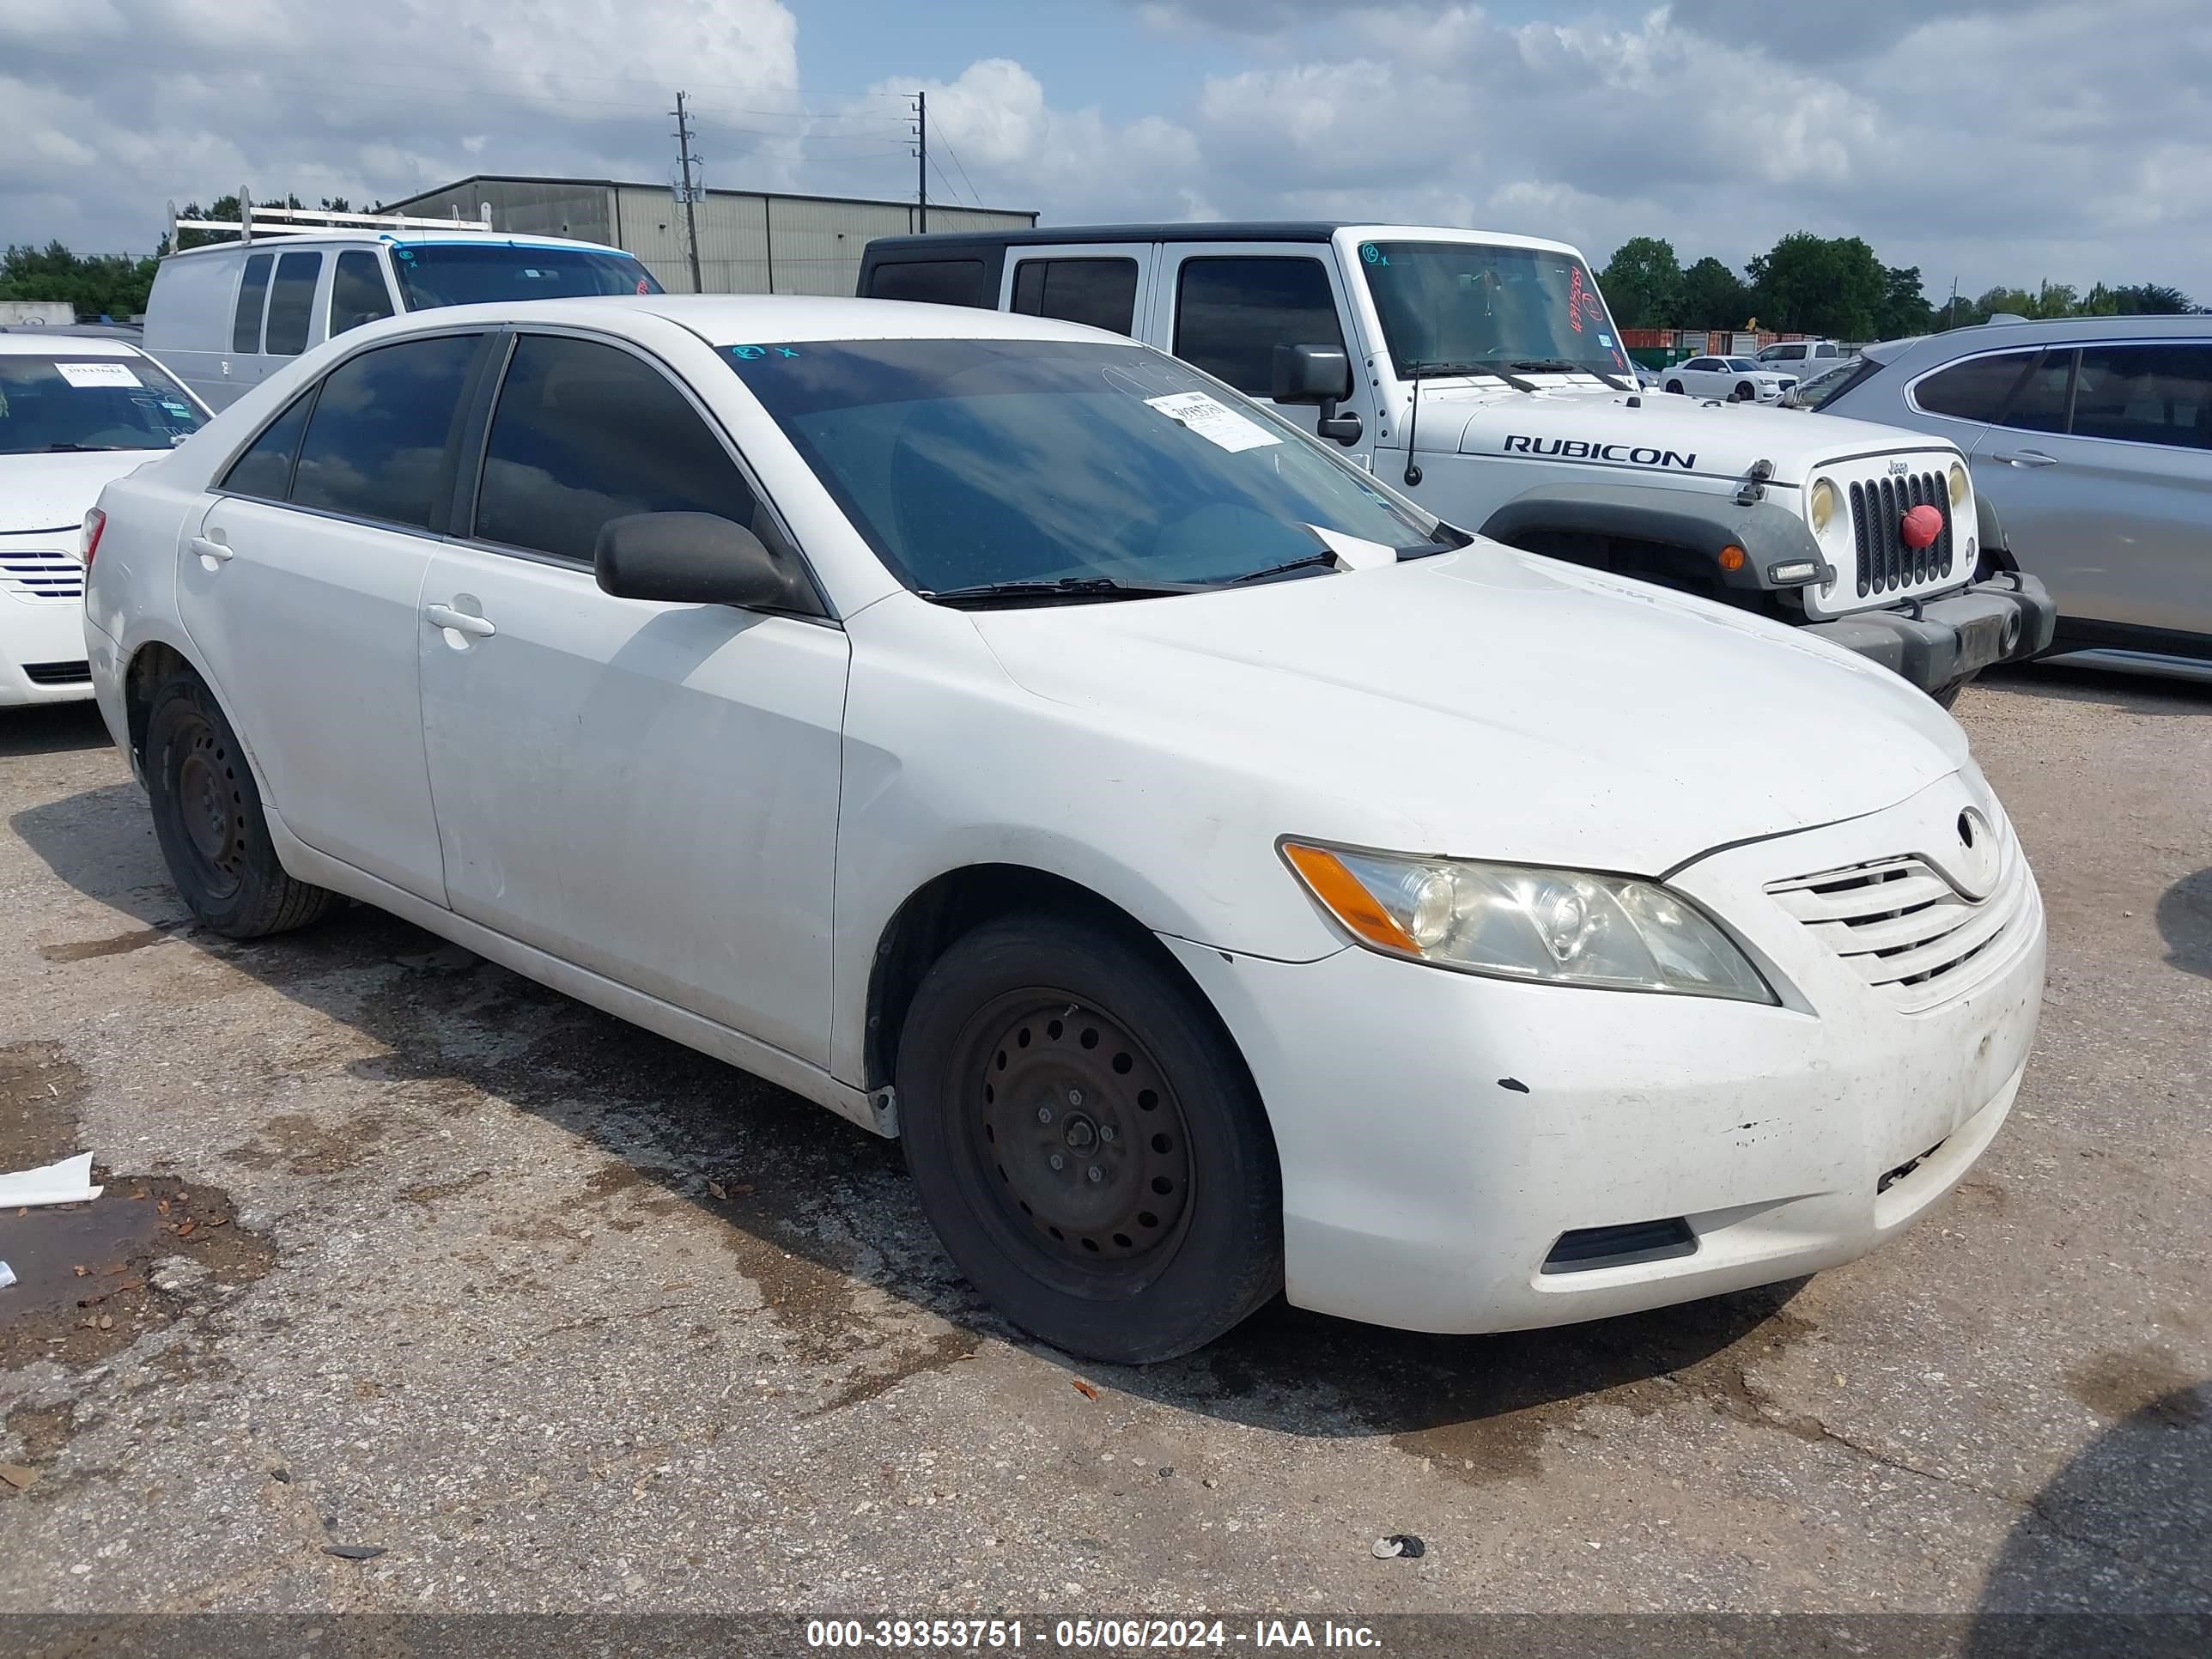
(1517,921)
(1820,509)
(1962,489)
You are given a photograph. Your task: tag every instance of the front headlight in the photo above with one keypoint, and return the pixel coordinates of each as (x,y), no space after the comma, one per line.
(1514,921)
(1962,489)
(1820,511)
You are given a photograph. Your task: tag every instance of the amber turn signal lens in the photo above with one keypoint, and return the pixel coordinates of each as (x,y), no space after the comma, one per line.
(1351,903)
(1731,558)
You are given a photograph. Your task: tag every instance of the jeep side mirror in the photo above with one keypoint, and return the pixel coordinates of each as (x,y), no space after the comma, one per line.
(698,558)
(1320,375)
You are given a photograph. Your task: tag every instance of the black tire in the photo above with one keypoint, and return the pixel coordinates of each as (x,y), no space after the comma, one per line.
(207,818)
(1746,393)
(1675,386)
(1162,1228)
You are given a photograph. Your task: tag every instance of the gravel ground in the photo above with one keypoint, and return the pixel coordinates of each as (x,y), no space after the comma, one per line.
(416,1258)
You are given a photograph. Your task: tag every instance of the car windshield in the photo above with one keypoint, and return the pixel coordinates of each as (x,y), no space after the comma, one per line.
(59,401)
(968,463)
(1830,382)
(1462,303)
(433,274)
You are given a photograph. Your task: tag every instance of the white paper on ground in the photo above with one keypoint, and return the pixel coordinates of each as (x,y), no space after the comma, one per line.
(1355,552)
(92,374)
(6,1275)
(69,1181)
(1213,420)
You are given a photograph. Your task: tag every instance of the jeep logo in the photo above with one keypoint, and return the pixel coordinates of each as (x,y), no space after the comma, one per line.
(1578,449)
(1899,467)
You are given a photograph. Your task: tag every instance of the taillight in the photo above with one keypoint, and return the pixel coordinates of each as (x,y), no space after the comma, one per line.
(88,541)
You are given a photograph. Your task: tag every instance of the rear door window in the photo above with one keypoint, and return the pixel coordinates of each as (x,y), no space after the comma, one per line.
(265,468)
(2040,401)
(292,302)
(1231,313)
(585,432)
(934,282)
(252,293)
(2156,393)
(1102,293)
(358,295)
(377,443)
(1978,389)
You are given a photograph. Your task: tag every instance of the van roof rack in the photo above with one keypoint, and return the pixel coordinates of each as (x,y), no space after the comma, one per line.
(308,221)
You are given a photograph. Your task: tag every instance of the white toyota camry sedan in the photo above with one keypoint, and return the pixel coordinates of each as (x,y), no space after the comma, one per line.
(1225,878)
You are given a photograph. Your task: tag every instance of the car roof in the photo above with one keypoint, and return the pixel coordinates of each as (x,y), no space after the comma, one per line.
(1187,230)
(727,320)
(43,342)
(2055,331)
(364,236)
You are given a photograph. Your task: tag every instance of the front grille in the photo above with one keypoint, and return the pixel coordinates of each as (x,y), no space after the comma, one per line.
(42,573)
(1911,934)
(1885,564)
(56,674)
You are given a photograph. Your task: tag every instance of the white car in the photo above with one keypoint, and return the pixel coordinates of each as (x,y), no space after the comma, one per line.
(1222,875)
(1738,380)
(76,410)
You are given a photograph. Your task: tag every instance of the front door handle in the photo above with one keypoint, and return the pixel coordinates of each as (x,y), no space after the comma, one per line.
(2027,458)
(444,616)
(207,548)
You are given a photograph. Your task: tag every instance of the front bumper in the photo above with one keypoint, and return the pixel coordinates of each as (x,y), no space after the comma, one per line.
(42,656)
(1940,642)
(1440,1134)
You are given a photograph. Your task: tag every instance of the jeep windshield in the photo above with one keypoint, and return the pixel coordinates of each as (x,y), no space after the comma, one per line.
(434,274)
(1471,307)
(1002,472)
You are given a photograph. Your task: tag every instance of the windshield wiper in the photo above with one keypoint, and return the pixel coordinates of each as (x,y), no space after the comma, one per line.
(79,449)
(1283,569)
(1430,371)
(1561,366)
(1067,587)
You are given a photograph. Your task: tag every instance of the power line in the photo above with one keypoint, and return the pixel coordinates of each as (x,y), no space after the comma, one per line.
(946,182)
(973,195)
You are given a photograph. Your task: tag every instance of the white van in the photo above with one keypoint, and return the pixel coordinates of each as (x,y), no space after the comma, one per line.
(223,317)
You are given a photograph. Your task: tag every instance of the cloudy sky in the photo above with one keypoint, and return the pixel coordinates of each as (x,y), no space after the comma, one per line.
(2008,141)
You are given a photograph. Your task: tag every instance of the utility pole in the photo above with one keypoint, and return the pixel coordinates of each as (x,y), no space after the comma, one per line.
(921,159)
(1951,306)
(687,191)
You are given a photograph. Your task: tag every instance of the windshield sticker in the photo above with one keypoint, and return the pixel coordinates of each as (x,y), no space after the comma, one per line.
(747,354)
(97,374)
(1578,298)
(1214,422)
(1373,255)
(1605,340)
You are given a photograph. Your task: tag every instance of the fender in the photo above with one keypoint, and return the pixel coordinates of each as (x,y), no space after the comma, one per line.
(1996,547)
(1701,525)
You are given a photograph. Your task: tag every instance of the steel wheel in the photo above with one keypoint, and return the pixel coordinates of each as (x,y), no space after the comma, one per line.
(1079,1138)
(209,806)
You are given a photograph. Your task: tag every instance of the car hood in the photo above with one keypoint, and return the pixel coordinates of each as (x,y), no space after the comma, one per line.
(1488,703)
(54,492)
(1658,430)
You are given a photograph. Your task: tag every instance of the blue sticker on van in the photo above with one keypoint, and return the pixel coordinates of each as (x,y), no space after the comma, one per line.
(1373,255)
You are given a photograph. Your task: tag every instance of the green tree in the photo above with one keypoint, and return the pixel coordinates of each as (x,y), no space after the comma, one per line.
(1813,284)
(1713,296)
(1904,309)
(226,208)
(2151,299)
(95,285)
(1643,283)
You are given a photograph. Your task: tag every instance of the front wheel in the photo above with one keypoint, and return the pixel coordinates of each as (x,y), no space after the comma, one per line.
(1746,393)
(208,820)
(1675,386)
(1087,1142)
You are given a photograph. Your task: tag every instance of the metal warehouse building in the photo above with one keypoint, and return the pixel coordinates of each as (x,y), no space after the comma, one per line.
(750,241)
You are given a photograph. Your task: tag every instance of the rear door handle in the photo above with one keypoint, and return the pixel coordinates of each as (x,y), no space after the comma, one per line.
(444,616)
(2027,458)
(207,548)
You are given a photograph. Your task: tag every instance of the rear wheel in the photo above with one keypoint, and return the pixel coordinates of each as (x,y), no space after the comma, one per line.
(1675,386)
(1087,1144)
(208,819)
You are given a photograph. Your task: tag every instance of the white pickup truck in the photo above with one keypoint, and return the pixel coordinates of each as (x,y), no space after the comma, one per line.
(1483,374)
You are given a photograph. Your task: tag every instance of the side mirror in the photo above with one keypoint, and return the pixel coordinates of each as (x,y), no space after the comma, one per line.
(698,558)
(1320,375)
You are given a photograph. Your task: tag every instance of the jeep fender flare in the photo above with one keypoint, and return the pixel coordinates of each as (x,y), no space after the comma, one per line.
(1700,525)
(1996,552)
